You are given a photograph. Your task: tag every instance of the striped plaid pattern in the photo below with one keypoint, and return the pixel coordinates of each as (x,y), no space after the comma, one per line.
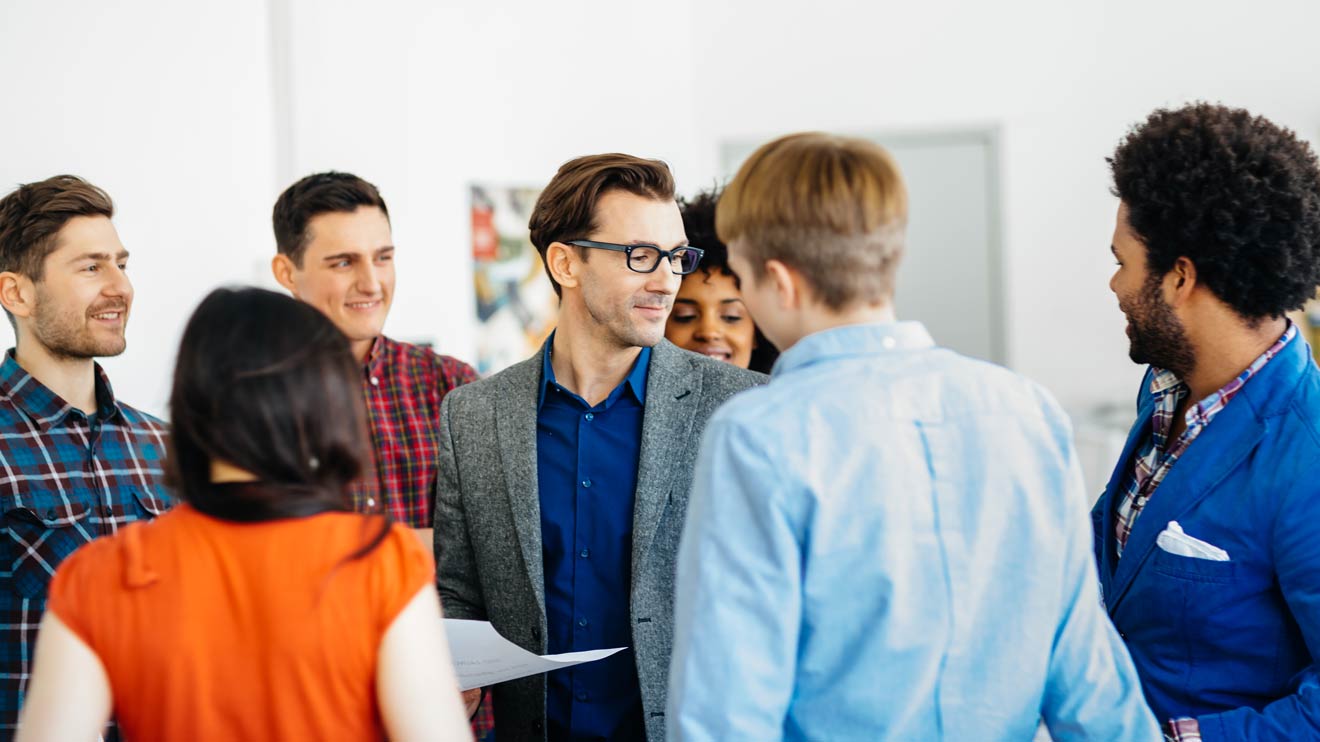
(64,480)
(1183,730)
(1156,456)
(404,384)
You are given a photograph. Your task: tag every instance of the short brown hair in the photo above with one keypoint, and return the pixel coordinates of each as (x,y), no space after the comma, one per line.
(566,209)
(32,217)
(833,208)
(316,194)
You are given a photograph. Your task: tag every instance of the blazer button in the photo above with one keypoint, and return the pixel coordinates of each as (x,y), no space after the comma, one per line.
(537,726)
(536,633)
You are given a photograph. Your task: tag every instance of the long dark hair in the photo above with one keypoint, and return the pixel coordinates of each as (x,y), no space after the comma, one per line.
(269,385)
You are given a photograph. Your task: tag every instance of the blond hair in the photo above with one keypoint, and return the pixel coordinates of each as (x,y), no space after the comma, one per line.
(832,208)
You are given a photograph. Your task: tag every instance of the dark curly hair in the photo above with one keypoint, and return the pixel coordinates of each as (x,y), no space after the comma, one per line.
(699,224)
(1234,193)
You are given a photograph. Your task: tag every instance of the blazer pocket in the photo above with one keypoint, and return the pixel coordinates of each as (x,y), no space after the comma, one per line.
(1193,569)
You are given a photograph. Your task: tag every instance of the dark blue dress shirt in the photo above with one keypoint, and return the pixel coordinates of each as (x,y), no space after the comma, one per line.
(587,477)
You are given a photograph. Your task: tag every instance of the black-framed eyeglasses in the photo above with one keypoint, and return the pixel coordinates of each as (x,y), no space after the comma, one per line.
(646,258)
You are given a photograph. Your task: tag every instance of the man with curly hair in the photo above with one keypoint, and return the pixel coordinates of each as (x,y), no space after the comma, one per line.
(1208,534)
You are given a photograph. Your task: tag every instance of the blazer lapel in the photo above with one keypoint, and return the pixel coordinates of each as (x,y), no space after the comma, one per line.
(1218,450)
(673,388)
(515,428)
(1114,491)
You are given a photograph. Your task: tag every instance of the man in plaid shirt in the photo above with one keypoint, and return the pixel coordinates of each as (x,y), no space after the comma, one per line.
(1207,533)
(336,252)
(75,463)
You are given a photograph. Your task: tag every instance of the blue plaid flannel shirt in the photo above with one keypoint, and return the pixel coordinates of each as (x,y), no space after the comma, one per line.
(64,480)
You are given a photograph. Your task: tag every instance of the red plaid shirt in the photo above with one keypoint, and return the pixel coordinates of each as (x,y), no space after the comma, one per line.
(404,384)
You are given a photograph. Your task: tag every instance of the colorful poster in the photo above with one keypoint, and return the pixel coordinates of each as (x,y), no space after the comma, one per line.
(516,306)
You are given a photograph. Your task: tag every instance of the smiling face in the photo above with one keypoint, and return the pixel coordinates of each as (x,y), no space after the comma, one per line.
(709,317)
(1155,333)
(630,307)
(347,271)
(84,296)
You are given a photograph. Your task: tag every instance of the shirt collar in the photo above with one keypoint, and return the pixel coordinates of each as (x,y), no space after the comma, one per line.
(853,340)
(45,406)
(376,355)
(634,381)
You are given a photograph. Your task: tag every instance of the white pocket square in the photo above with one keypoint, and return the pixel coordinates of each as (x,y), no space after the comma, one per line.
(1175,541)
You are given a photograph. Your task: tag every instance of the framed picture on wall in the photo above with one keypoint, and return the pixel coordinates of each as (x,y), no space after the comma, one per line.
(516,306)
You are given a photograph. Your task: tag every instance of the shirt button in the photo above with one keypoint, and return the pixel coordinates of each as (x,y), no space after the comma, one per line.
(586,483)
(375,381)
(590,416)
(582,622)
(583,695)
(371,502)
(889,343)
(585,553)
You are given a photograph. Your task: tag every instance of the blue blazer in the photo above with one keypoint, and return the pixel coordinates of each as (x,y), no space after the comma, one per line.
(1231,643)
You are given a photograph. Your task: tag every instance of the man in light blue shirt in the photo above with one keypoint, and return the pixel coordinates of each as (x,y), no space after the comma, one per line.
(890,541)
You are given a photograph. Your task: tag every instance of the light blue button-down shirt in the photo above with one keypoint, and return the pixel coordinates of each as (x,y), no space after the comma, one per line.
(891,542)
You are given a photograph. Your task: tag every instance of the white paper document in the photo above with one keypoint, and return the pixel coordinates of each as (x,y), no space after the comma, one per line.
(482,657)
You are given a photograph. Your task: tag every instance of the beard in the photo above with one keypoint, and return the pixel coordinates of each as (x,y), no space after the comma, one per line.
(65,334)
(616,317)
(1156,335)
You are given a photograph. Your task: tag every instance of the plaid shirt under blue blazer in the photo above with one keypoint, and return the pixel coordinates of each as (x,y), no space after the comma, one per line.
(1233,644)
(64,480)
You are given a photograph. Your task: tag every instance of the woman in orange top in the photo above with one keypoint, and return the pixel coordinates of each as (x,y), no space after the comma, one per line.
(261,607)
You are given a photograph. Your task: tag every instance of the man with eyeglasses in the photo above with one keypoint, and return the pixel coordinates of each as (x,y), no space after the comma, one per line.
(564,479)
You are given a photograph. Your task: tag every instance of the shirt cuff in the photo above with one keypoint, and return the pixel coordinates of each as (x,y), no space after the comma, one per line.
(1184,729)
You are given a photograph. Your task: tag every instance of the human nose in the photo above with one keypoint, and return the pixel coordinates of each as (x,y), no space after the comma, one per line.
(118,283)
(709,328)
(368,278)
(663,280)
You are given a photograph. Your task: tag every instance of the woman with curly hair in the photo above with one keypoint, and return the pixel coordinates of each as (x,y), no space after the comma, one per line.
(709,316)
(1208,536)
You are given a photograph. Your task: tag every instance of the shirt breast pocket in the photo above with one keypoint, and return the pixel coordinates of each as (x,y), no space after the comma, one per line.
(154,500)
(38,538)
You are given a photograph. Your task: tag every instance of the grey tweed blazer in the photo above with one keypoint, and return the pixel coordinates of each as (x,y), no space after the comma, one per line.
(488,516)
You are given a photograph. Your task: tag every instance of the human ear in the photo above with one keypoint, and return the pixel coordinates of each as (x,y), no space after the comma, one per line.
(783,280)
(282,267)
(17,294)
(1181,280)
(563,262)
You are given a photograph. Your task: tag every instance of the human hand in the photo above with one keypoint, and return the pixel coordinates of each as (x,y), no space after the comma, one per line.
(471,700)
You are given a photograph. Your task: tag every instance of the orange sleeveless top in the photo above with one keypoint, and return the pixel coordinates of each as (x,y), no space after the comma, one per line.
(211,630)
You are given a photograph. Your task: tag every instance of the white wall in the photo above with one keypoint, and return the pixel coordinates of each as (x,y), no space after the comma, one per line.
(423,99)
(170,108)
(1062,80)
(167,106)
